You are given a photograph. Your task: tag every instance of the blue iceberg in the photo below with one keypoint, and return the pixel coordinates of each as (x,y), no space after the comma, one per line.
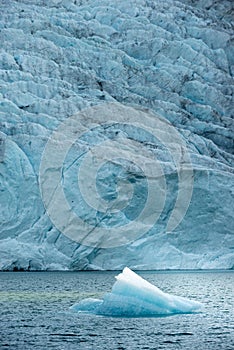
(132,296)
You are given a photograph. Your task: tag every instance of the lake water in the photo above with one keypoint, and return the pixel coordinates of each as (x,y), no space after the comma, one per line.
(35,313)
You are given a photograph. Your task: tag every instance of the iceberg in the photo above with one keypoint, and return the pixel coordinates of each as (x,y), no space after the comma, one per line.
(133,296)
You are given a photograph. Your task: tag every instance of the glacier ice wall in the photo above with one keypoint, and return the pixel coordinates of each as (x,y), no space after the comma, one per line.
(174,57)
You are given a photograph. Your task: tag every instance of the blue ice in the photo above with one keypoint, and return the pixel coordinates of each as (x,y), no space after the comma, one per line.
(132,296)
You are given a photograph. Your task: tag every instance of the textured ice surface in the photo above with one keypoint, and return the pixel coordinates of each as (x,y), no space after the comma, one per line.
(175,57)
(132,296)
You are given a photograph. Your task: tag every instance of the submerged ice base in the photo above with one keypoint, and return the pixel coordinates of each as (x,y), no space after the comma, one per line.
(132,296)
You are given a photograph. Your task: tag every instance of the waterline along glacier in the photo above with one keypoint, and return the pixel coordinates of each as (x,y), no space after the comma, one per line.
(132,296)
(116,134)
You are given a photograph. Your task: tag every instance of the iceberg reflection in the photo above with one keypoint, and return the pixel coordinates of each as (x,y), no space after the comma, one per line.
(132,296)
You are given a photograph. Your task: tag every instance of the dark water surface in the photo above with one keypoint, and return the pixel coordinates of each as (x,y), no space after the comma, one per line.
(35,313)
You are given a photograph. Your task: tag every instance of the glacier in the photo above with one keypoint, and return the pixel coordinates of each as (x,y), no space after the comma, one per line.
(174,58)
(132,296)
